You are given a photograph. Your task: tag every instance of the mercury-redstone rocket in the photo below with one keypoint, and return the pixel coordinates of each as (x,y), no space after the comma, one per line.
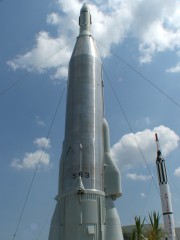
(89,180)
(165,195)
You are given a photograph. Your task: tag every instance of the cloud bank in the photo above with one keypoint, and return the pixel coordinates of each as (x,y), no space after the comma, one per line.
(135,176)
(154,24)
(40,122)
(126,151)
(42,142)
(143,195)
(175,69)
(31,159)
(177,172)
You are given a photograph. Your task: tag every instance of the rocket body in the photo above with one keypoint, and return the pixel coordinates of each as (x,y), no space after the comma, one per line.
(89,180)
(165,197)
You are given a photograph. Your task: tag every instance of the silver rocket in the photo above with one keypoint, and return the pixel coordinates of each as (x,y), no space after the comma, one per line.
(89,180)
(165,195)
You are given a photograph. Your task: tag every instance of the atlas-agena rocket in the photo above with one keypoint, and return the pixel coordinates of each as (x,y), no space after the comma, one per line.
(89,180)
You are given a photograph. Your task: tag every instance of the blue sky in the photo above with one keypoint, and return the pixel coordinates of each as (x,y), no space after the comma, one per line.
(36,43)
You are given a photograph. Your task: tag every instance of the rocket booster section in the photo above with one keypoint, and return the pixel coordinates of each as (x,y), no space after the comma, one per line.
(165,194)
(89,180)
(83,143)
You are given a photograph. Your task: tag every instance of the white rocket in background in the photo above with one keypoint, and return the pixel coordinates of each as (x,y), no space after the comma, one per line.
(165,195)
(89,180)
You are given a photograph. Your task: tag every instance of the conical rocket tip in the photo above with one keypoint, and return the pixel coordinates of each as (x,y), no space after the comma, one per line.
(156,137)
(85,8)
(85,20)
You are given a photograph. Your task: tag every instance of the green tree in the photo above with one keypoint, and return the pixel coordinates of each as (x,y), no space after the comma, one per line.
(137,233)
(133,237)
(154,232)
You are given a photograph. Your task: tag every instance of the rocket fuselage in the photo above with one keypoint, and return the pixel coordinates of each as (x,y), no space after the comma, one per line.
(165,196)
(89,180)
(83,143)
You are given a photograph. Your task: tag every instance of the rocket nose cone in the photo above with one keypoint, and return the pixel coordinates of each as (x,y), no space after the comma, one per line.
(85,20)
(85,8)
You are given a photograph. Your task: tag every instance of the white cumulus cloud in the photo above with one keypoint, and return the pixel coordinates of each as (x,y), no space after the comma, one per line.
(155,24)
(48,53)
(40,122)
(143,195)
(38,157)
(135,176)
(42,142)
(54,19)
(175,69)
(126,151)
(31,160)
(177,172)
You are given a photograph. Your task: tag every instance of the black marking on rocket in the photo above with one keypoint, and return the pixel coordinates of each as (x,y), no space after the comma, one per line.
(167,213)
(162,174)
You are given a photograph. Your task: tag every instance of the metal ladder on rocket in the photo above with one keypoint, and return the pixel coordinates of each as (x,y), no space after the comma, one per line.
(165,194)
(89,180)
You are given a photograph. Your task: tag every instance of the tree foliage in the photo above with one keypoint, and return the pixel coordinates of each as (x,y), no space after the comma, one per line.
(138,231)
(154,231)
